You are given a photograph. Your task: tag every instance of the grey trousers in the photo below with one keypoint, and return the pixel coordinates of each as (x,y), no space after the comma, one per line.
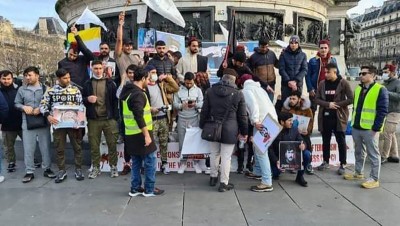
(42,136)
(367,142)
(221,153)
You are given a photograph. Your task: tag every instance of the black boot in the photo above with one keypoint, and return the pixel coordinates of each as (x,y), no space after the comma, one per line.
(225,187)
(240,169)
(300,180)
(213,181)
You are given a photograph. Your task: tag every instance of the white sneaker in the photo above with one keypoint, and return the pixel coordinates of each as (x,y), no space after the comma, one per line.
(197,167)
(207,171)
(182,168)
(1,179)
(166,168)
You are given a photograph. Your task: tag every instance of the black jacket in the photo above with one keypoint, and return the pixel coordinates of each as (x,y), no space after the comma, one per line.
(14,120)
(3,108)
(218,99)
(111,100)
(136,103)
(293,66)
(163,66)
(291,134)
(78,68)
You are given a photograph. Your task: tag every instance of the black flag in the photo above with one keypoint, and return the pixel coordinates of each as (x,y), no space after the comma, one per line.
(231,47)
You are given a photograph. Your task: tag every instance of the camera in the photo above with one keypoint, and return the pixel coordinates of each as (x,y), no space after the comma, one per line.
(164,108)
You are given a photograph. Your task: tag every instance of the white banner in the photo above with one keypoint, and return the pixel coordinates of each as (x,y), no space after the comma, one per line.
(317,156)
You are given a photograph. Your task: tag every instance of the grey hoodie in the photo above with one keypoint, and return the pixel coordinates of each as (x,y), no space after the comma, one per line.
(184,95)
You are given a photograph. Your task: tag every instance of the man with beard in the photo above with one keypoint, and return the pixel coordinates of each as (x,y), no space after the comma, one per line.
(192,62)
(138,135)
(11,126)
(105,58)
(161,62)
(123,48)
(76,64)
(262,63)
(316,71)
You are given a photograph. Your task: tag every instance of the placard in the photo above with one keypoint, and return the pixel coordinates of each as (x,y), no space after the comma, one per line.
(301,122)
(264,138)
(146,39)
(69,116)
(290,155)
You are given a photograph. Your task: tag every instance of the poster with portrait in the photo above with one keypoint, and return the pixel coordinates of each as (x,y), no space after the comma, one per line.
(215,52)
(70,116)
(301,122)
(174,42)
(146,39)
(264,138)
(290,156)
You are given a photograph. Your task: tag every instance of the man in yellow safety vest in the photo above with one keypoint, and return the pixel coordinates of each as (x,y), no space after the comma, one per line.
(370,108)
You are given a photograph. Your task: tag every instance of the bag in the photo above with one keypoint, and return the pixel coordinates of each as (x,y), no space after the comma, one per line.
(212,131)
(35,121)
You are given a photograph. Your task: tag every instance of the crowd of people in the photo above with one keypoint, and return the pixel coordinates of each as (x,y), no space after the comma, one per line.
(149,98)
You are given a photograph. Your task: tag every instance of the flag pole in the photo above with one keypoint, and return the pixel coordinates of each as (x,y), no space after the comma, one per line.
(233,21)
(127,3)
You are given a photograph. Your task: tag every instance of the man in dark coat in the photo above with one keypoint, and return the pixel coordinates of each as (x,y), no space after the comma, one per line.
(11,126)
(292,67)
(138,135)
(77,64)
(221,98)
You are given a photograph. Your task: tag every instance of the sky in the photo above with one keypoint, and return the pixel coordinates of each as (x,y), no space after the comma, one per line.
(25,13)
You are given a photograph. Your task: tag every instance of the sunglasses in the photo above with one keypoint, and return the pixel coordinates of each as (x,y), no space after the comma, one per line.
(363,73)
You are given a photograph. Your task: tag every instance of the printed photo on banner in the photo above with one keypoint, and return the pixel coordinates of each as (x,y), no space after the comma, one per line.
(69,117)
(109,69)
(173,42)
(290,156)
(264,138)
(147,39)
(300,122)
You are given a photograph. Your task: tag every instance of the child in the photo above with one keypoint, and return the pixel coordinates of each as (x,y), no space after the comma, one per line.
(288,133)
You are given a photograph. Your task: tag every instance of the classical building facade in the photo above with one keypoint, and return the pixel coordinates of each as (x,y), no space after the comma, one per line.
(379,39)
(312,20)
(42,47)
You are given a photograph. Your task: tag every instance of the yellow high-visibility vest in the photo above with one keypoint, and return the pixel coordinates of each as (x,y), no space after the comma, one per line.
(368,111)
(131,126)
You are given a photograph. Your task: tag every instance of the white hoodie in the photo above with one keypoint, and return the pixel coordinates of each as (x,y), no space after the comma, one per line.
(258,103)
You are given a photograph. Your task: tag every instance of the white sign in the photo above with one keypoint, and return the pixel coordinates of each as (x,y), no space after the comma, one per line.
(264,138)
(317,155)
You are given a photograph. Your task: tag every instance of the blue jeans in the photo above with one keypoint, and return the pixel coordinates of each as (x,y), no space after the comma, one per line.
(306,161)
(149,172)
(262,166)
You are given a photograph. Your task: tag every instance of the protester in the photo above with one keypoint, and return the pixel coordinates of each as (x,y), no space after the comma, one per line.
(157,90)
(239,59)
(292,67)
(138,135)
(105,58)
(64,94)
(333,96)
(177,56)
(187,102)
(288,133)
(263,63)
(123,48)
(370,108)
(258,106)
(223,99)
(298,105)
(11,125)
(99,97)
(4,111)
(28,100)
(161,62)
(316,70)
(77,64)
(388,148)
(230,62)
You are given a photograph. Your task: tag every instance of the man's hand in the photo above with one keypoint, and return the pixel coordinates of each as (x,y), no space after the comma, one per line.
(312,93)
(162,77)
(303,132)
(333,105)
(258,126)
(270,90)
(147,140)
(224,64)
(302,146)
(185,106)
(36,111)
(52,120)
(74,30)
(92,99)
(28,110)
(154,110)
(293,85)
(121,18)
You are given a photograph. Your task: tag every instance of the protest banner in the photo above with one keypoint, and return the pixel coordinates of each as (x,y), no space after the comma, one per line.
(264,138)
(301,122)
(290,155)
(317,156)
(147,39)
(69,116)
(174,42)
(109,69)
(193,144)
